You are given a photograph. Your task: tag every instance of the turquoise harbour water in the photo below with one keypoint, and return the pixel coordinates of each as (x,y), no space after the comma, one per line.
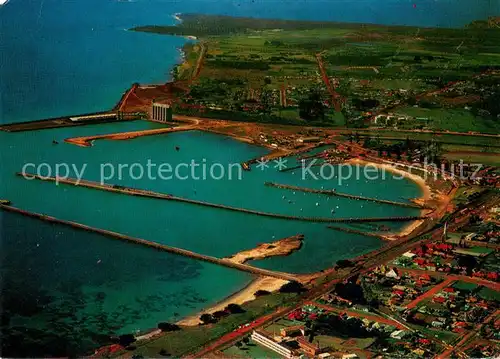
(65,291)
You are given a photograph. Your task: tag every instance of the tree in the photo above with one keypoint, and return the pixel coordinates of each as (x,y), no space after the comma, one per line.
(369,296)
(344,263)
(126,339)
(261,293)
(163,353)
(292,287)
(312,108)
(168,327)
(246,340)
(267,80)
(234,308)
(207,318)
(491,103)
(220,314)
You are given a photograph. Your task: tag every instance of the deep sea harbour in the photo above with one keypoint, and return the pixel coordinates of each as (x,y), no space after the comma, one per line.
(65,291)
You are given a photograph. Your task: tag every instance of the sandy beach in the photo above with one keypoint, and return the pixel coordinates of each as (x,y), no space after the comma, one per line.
(425,188)
(281,247)
(243,296)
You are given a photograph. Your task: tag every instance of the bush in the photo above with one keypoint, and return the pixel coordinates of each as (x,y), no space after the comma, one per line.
(261,293)
(234,309)
(164,353)
(344,263)
(207,318)
(126,339)
(168,327)
(292,287)
(220,314)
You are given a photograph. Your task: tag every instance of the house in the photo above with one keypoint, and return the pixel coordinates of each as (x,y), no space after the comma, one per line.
(398,334)
(350,356)
(419,352)
(392,274)
(438,299)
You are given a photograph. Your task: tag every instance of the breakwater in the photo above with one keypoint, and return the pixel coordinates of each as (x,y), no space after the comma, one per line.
(87,140)
(355,231)
(345,195)
(168,197)
(63,121)
(155,245)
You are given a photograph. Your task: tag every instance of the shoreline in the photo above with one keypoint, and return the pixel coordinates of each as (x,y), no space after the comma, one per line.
(419,181)
(244,295)
(281,247)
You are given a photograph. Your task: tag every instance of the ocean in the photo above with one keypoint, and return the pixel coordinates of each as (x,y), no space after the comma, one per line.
(65,291)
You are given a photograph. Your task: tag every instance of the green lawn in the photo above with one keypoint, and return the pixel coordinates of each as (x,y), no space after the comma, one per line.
(489,294)
(190,339)
(458,120)
(486,160)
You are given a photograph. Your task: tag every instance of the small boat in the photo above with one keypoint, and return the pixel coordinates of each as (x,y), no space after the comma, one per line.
(177,148)
(5,202)
(54,142)
(245,166)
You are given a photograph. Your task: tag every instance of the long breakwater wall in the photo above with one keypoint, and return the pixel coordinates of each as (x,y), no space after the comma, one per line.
(57,122)
(345,195)
(168,197)
(355,231)
(155,245)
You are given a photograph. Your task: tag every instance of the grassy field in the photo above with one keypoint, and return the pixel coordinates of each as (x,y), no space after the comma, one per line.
(190,339)
(459,120)
(367,61)
(449,139)
(487,159)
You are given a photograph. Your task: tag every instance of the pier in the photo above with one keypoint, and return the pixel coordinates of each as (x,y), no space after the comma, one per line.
(345,195)
(355,231)
(64,121)
(168,197)
(155,245)
(86,141)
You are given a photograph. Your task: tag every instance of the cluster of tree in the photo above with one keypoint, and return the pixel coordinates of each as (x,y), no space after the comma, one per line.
(489,103)
(168,327)
(241,344)
(357,60)
(427,150)
(344,263)
(289,60)
(231,308)
(360,293)
(312,107)
(364,104)
(124,340)
(292,287)
(239,64)
(261,293)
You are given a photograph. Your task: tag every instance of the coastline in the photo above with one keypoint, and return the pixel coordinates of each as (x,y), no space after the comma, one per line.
(419,181)
(281,247)
(240,297)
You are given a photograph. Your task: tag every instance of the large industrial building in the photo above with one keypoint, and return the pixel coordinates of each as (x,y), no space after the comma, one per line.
(161,112)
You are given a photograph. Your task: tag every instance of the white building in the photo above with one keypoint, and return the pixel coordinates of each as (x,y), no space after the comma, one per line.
(263,339)
(161,112)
